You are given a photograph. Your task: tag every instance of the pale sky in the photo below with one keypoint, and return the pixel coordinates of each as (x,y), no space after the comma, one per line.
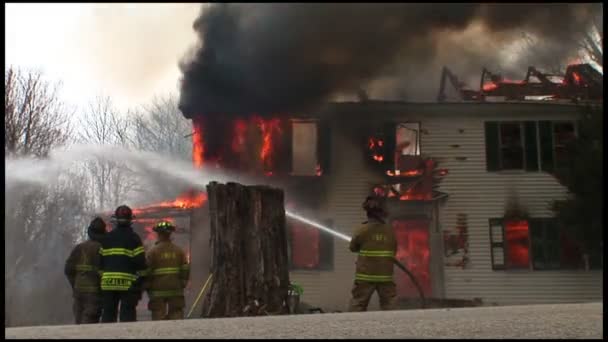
(129,52)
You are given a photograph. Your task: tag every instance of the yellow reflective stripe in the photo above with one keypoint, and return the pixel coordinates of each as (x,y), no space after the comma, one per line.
(116,251)
(114,288)
(165,270)
(167,293)
(121,251)
(373,278)
(377,253)
(119,275)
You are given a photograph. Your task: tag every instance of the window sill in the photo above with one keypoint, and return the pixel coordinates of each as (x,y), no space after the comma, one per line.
(512,172)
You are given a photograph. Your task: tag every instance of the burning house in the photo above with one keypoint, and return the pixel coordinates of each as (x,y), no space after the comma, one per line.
(257,90)
(449,172)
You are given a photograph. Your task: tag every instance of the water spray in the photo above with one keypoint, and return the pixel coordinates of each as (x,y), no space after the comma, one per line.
(318,226)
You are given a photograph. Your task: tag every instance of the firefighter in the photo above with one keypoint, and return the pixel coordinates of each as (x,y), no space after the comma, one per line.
(122,263)
(168,273)
(82,271)
(376,245)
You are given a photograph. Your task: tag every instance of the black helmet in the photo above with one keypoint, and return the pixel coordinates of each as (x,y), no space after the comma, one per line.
(164,227)
(97,227)
(123,214)
(374,205)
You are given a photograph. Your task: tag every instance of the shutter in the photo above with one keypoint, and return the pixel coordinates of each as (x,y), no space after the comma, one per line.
(287,151)
(537,238)
(326,258)
(324,146)
(492,148)
(497,244)
(546,146)
(531,147)
(389,133)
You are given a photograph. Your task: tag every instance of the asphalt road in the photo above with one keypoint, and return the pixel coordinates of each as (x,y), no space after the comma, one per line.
(526,321)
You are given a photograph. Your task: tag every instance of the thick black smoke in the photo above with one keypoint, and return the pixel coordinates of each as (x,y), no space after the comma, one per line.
(278,58)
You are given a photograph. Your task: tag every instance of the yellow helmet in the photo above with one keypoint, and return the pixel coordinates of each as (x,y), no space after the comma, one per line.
(164,227)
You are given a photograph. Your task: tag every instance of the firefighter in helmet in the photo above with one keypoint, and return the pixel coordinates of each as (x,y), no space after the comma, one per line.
(167,275)
(376,245)
(82,271)
(122,263)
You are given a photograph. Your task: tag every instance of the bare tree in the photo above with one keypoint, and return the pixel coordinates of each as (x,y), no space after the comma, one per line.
(591,41)
(41,223)
(161,127)
(35,120)
(104,125)
(586,44)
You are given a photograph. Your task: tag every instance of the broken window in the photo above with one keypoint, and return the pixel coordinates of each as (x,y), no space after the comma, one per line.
(510,244)
(538,242)
(310,248)
(305,160)
(408,139)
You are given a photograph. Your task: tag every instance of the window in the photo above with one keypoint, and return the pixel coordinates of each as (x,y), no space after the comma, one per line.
(563,134)
(305,160)
(510,244)
(537,243)
(528,145)
(310,248)
(511,146)
(408,138)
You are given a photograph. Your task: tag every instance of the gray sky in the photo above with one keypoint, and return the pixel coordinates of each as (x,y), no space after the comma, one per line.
(129,52)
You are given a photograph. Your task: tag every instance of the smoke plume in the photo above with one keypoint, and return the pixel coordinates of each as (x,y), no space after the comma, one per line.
(277,58)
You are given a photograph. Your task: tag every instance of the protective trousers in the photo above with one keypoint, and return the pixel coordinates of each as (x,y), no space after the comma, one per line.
(167,308)
(86,307)
(363,291)
(127,301)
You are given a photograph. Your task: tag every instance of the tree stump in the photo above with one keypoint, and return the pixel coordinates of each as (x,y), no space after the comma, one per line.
(248,241)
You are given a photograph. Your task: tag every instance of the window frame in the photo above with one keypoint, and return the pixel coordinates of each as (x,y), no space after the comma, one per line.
(292,123)
(418,136)
(326,249)
(522,139)
(544,163)
(532,226)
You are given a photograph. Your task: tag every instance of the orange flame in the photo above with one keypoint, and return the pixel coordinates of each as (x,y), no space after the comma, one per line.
(187,200)
(268,127)
(489,86)
(240,129)
(577,78)
(319,170)
(198,145)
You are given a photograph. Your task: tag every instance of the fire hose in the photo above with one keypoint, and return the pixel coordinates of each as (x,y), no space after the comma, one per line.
(199,295)
(413,279)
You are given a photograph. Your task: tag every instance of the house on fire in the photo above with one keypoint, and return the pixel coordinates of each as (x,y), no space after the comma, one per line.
(468,185)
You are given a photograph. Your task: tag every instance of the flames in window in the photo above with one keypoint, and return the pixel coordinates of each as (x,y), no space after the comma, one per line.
(517,236)
(376,147)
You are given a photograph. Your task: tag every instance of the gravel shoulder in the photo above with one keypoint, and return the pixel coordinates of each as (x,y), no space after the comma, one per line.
(525,321)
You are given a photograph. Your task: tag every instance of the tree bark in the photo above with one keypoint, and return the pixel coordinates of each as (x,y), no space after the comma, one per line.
(249,246)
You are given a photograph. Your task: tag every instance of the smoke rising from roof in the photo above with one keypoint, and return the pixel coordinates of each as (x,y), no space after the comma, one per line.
(277,58)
